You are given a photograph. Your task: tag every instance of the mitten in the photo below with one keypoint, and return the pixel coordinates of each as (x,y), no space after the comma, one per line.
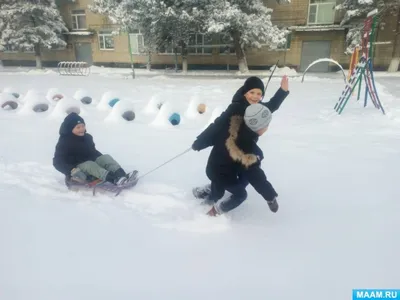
(78,174)
(196,145)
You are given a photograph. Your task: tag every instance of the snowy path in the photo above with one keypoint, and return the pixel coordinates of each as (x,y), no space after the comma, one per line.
(337,228)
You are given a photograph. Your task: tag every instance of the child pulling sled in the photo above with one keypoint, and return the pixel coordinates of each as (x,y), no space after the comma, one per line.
(235,155)
(219,133)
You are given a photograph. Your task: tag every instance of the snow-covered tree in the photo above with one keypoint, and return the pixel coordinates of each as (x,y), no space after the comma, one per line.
(171,23)
(359,9)
(248,23)
(163,23)
(132,16)
(31,25)
(176,23)
(355,13)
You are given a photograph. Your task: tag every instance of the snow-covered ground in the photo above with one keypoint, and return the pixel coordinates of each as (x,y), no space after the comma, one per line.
(337,179)
(126,73)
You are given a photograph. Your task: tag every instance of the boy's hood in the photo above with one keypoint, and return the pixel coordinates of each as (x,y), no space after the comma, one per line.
(69,123)
(239,97)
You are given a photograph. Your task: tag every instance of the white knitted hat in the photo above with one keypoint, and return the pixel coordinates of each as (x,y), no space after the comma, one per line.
(257,116)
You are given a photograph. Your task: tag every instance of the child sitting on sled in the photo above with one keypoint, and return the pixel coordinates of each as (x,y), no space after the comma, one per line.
(78,159)
(234,154)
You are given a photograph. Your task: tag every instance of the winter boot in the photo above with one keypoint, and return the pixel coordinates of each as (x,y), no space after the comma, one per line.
(273,205)
(132,176)
(115,179)
(202,192)
(120,172)
(129,176)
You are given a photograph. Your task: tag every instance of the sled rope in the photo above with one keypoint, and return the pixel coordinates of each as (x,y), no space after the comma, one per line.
(184,152)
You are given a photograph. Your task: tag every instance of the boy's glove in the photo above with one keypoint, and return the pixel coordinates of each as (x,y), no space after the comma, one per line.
(78,174)
(196,145)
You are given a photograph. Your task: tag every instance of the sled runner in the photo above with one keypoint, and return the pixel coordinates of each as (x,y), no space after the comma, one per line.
(95,184)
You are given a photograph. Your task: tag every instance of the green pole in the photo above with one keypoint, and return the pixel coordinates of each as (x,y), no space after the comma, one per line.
(359,90)
(340,109)
(130,54)
(372,38)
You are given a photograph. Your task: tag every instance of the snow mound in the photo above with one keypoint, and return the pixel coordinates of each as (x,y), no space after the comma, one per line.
(54,94)
(65,106)
(12,91)
(154,105)
(31,93)
(283,71)
(123,110)
(108,100)
(8,101)
(215,114)
(34,102)
(162,118)
(195,108)
(83,96)
(40,72)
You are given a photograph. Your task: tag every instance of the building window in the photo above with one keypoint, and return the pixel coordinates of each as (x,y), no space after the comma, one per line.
(106,40)
(78,19)
(136,41)
(226,44)
(321,12)
(200,44)
(10,48)
(169,49)
(287,44)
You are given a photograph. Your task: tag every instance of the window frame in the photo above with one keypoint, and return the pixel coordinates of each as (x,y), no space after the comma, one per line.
(199,48)
(317,5)
(136,35)
(102,35)
(75,19)
(222,45)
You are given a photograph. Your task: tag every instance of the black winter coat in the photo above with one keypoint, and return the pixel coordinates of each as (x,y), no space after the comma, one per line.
(237,107)
(71,150)
(235,152)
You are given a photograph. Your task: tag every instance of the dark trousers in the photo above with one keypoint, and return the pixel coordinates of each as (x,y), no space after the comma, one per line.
(226,179)
(243,180)
(237,190)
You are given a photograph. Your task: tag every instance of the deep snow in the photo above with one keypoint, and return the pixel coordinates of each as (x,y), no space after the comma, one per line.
(337,227)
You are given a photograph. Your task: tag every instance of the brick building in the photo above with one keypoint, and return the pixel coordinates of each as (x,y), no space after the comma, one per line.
(314,25)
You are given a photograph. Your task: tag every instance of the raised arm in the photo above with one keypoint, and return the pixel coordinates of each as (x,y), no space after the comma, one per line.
(275,102)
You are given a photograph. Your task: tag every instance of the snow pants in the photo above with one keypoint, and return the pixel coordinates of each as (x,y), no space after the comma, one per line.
(100,167)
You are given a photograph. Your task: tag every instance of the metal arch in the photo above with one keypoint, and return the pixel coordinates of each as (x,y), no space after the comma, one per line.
(73,68)
(325,60)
